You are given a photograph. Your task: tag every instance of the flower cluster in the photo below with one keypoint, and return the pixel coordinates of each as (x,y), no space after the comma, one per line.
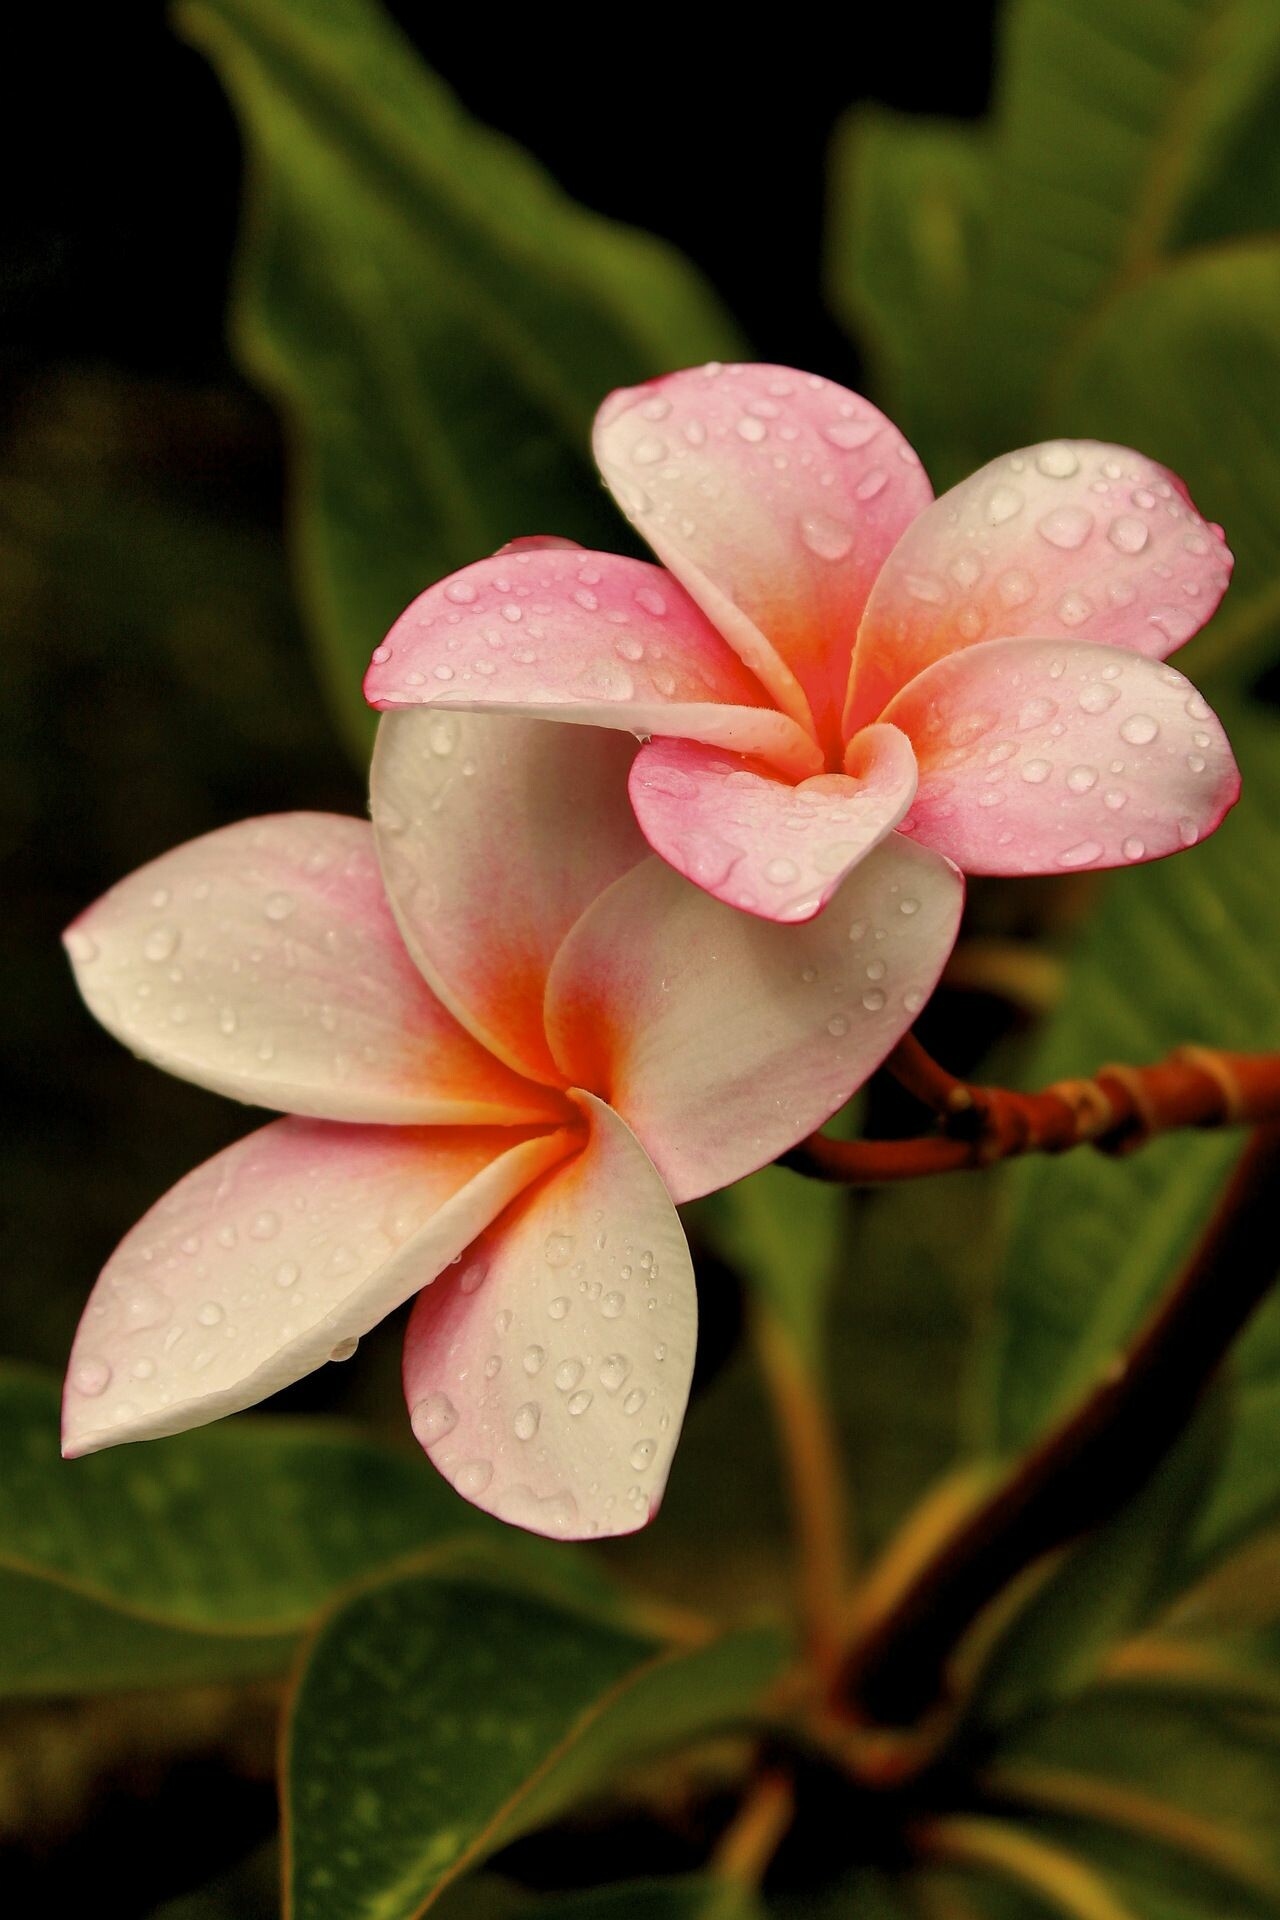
(508,1040)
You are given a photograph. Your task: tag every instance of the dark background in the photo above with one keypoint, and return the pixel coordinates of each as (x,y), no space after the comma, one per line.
(153,679)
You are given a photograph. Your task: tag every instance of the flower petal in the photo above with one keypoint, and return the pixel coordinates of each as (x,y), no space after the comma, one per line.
(1035,757)
(262,961)
(588,637)
(723,1039)
(547,1378)
(274,1257)
(775,497)
(764,844)
(494,833)
(1073,538)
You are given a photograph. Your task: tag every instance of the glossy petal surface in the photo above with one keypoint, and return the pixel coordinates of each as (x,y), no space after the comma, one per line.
(262,961)
(547,1376)
(723,1039)
(1039,758)
(593,638)
(775,497)
(1072,540)
(494,834)
(274,1257)
(761,843)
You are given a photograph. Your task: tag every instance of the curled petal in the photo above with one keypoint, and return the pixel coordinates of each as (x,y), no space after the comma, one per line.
(274,1257)
(494,833)
(262,961)
(775,497)
(1074,538)
(587,637)
(1036,757)
(767,845)
(547,1377)
(723,1039)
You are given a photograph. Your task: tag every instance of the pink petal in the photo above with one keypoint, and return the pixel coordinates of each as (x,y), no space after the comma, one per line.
(547,1379)
(723,1039)
(1035,757)
(275,1257)
(1074,539)
(775,497)
(761,843)
(494,833)
(262,961)
(587,637)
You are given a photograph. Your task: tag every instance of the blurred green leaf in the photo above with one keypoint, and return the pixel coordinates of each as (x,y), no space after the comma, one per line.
(908,215)
(783,1235)
(436,320)
(436,1720)
(1171,1801)
(1122,136)
(1181,950)
(1187,367)
(199,1557)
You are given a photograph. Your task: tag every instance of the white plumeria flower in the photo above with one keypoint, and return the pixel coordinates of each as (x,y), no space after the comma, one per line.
(509,1040)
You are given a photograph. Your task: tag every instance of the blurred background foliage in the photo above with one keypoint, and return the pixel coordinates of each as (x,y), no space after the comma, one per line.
(1051,217)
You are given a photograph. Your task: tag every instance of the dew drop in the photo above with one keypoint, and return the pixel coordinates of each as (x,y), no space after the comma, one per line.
(1139,729)
(1066,527)
(91,1377)
(534,1359)
(525,1422)
(433,1417)
(161,943)
(1082,855)
(827,538)
(1003,504)
(1128,534)
(1058,461)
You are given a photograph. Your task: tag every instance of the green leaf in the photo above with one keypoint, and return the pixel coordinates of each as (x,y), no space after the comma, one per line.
(435,1720)
(1187,367)
(435,319)
(1182,950)
(1122,136)
(1158,1791)
(1100,1590)
(783,1235)
(196,1558)
(908,219)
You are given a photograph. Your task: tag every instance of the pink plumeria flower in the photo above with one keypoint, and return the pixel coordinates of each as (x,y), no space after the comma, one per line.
(509,1041)
(827,653)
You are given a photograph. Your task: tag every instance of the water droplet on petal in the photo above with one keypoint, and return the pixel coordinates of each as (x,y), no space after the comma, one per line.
(431,1418)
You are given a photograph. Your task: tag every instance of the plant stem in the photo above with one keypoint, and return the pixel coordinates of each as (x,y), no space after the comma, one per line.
(753,1836)
(1087,1466)
(1117,1110)
(815,1484)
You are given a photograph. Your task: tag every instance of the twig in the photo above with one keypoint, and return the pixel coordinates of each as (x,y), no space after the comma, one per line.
(754,1834)
(813,1464)
(1117,1110)
(1091,1463)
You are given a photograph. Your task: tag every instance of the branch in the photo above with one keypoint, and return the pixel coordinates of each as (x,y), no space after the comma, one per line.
(1119,1109)
(1085,1469)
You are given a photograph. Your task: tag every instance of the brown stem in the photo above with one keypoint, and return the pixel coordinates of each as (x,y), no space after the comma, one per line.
(1091,1463)
(1117,1110)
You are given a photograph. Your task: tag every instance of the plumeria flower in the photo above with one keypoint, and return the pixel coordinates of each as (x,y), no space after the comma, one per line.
(508,1041)
(828,654)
